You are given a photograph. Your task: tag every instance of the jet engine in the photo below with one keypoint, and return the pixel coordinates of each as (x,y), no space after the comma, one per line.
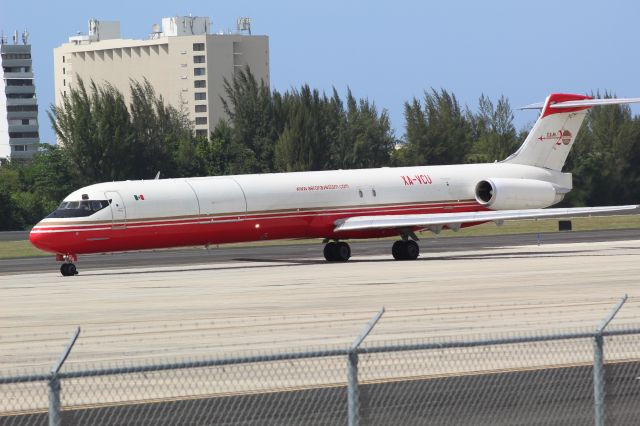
(514,194)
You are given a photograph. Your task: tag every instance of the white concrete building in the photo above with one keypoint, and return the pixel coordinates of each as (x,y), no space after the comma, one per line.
(19,134)
(184,62)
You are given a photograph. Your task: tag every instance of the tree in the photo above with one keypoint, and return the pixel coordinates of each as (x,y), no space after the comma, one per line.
(493,131)
(95,129)
(367,135)
(605,157)
(106,139)
(436,133)
(249,106)
(223,155)
(305,141)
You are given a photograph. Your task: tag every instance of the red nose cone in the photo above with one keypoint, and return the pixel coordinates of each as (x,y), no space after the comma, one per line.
(41,240)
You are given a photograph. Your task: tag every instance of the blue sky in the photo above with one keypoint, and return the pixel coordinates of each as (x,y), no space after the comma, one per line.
(388,52)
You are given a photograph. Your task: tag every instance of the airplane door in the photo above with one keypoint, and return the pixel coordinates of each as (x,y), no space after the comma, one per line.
(118,210)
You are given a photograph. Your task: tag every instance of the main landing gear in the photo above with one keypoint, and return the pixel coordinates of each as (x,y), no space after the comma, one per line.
(67,269)
(405,250)
(337,251)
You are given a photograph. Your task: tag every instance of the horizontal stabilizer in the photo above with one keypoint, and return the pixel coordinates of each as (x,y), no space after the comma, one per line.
(594,102)
(454,220)
(583,103)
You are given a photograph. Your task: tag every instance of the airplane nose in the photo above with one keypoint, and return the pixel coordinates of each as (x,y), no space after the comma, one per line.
(41,240)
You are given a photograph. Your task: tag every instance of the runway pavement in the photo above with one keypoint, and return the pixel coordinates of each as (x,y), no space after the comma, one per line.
(292,251)
(256,300)
(14,235)
(135,310)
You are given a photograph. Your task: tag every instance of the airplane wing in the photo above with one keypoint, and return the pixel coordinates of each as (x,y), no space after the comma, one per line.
(435,222)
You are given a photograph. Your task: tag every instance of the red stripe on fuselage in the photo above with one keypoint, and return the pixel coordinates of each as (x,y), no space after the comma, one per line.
(273,214)
(138,234)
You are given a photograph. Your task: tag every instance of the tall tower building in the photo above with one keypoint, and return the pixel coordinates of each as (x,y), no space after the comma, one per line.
(183,62)
(19,136)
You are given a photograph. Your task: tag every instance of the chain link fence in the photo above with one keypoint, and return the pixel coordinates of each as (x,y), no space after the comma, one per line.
(577,377)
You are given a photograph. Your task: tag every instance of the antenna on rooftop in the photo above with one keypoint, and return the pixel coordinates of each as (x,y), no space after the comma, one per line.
(25,37)
(243,25)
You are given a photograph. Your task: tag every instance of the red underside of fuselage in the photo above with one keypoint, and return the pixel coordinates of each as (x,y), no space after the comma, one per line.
(143,235)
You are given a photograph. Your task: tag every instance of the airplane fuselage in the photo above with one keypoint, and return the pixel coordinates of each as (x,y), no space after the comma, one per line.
(147,214)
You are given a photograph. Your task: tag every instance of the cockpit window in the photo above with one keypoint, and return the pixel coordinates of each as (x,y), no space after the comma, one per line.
(79,208)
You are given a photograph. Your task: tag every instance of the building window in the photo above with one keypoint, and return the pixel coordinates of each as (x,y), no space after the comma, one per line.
(20,108)
(19,82)
(13,135)
(63,59)
(20,148)
(198,71)
(21,95)
(200,84)
(198,59)
(201,120)
(17,69)
(200,96)
(198,47)
(16,56)
(201,108)
(201,132)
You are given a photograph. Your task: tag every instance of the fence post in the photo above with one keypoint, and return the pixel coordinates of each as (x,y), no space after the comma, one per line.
(55,418)
(598,363)
(353,393)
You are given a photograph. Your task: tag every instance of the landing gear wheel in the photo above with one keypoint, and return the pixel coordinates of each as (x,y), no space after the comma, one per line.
(412,250)
(329,250)
(396,250)
(405,250)
(343,252)
(68,270)
(337,252)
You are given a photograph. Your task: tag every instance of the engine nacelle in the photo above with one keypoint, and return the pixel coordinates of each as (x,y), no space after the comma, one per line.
(513,194)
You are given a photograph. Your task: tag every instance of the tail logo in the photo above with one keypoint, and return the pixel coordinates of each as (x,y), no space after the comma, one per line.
(560,137)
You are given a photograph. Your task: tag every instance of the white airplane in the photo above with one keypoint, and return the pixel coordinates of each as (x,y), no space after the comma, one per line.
(335,205)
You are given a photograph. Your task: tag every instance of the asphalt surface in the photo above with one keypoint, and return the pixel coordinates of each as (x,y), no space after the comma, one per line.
(558,396)
(14,235)
(293,251)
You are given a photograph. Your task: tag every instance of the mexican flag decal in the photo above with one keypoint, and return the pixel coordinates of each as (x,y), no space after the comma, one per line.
(139,197)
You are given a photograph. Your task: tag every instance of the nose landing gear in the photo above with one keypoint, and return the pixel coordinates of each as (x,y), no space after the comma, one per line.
(67,269)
